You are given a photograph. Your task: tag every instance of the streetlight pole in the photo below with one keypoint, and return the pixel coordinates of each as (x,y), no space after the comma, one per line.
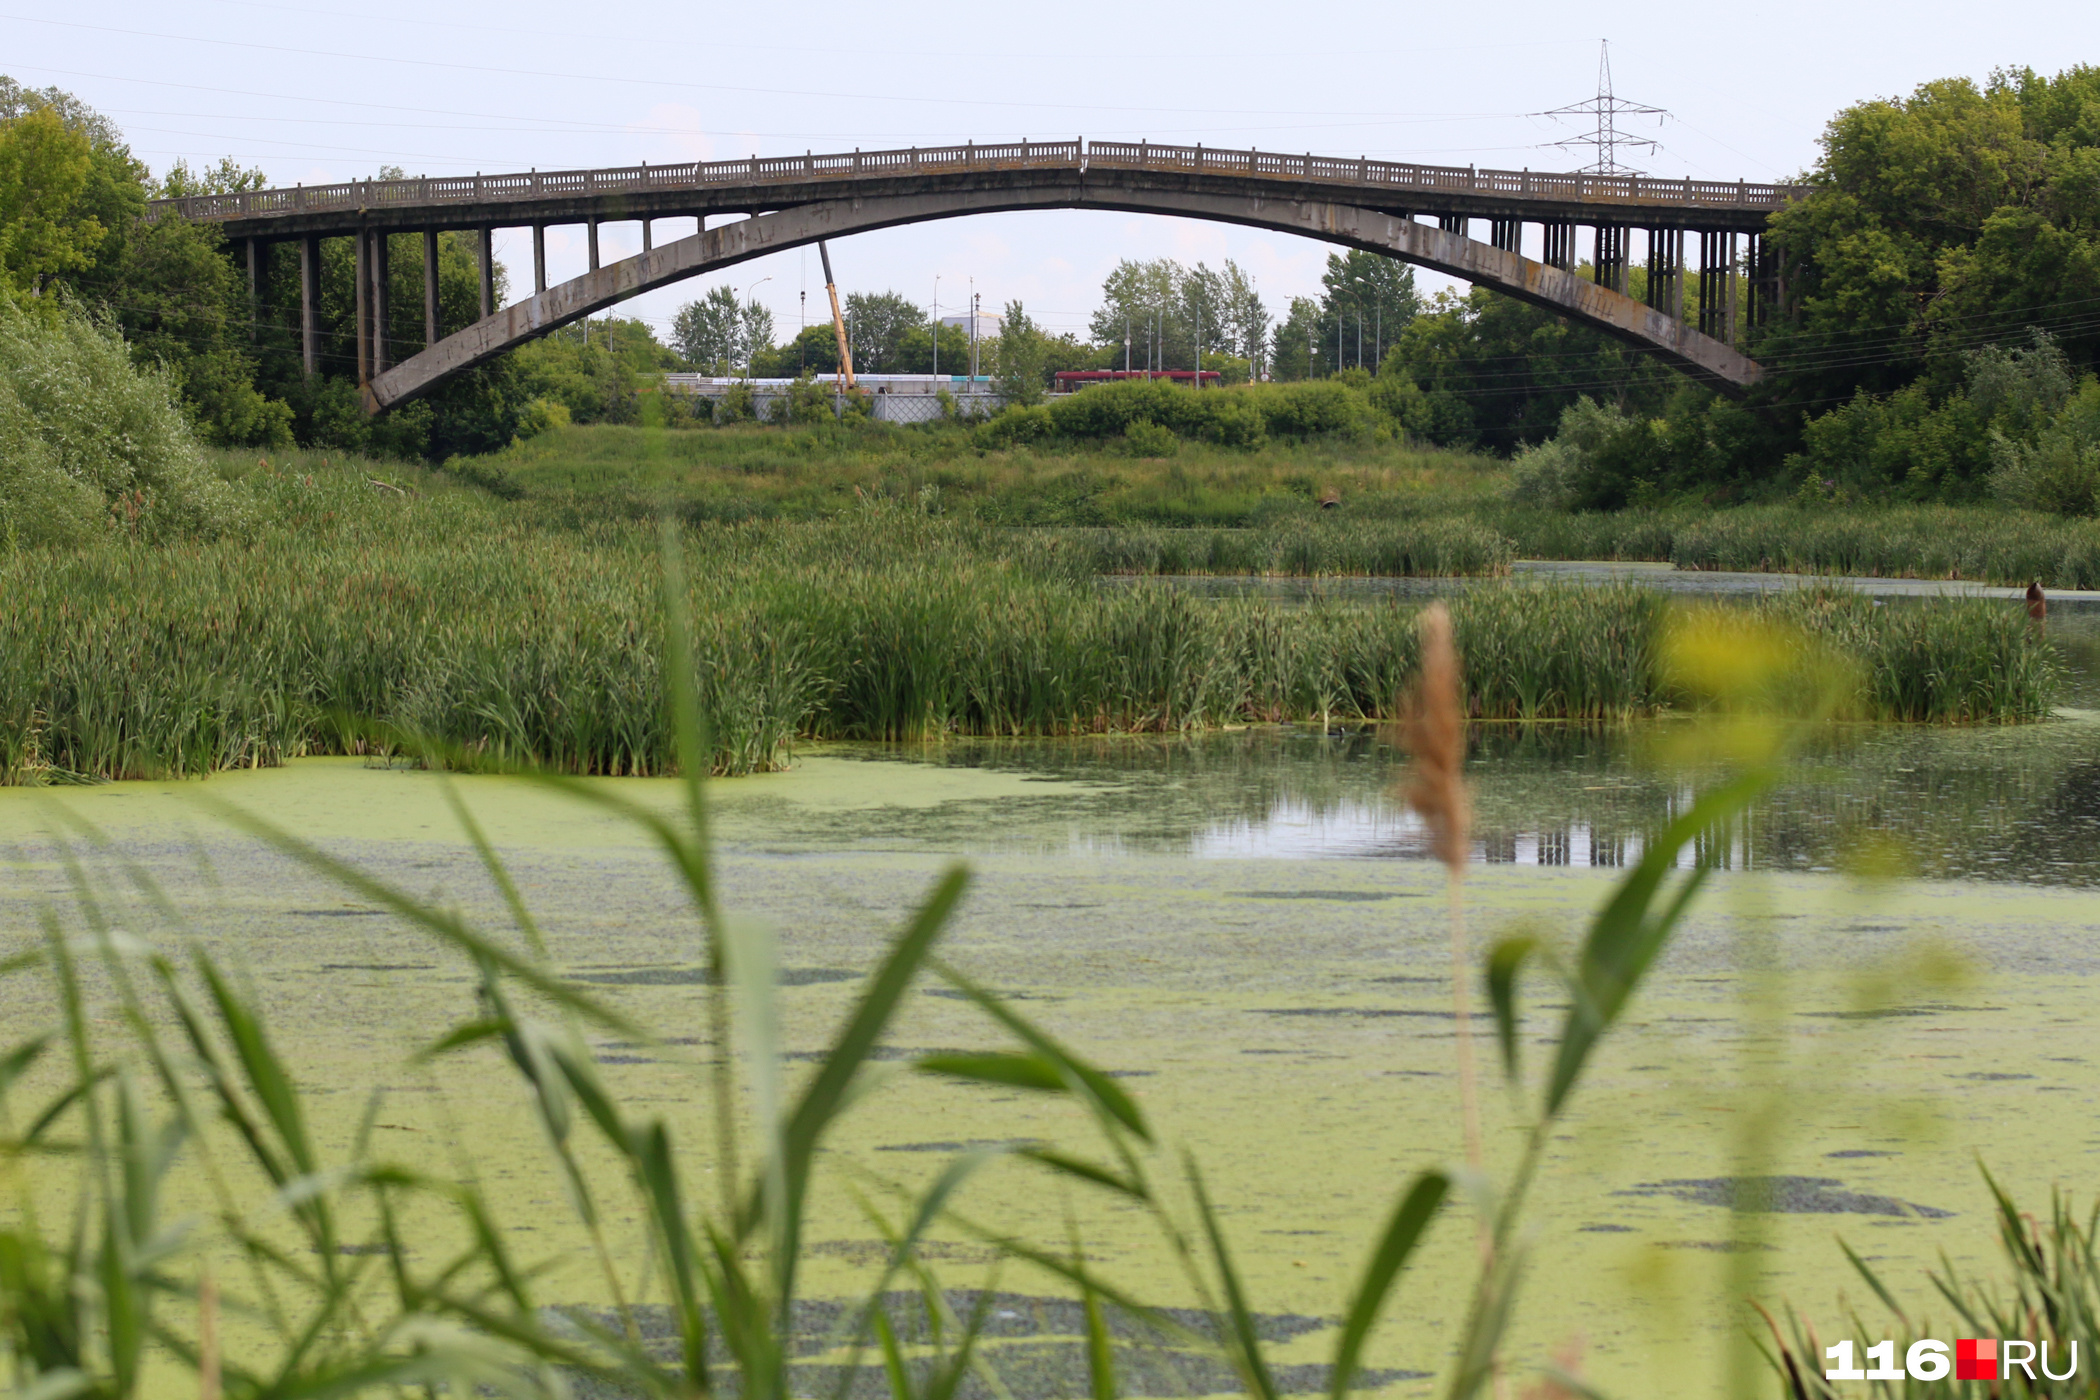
(936,326)
(750,346)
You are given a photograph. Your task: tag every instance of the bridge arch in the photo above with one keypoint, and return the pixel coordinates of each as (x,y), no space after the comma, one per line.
(1391,234)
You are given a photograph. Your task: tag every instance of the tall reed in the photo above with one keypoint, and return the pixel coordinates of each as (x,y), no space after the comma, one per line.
(545,648)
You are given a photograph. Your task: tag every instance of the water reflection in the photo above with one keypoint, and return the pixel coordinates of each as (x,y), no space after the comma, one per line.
(2013,803)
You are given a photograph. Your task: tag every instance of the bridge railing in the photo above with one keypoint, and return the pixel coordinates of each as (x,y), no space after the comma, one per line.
(1385,176)
(1448,179)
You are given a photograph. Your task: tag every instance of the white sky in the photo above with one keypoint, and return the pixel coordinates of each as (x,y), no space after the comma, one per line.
(328,91)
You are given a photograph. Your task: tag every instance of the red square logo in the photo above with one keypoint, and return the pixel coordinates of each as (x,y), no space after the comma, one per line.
(1975,1359)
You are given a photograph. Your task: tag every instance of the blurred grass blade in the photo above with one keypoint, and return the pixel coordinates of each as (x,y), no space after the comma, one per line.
(1100,1348)
(658,1170)
(828,1091)
(892,1355)
(1243,1339)
(1505,962)
(1085,1171)
(1108,1097)
(1628,933)
(448,928)
(1005,1070)
(1873,1281)
(1411,1217)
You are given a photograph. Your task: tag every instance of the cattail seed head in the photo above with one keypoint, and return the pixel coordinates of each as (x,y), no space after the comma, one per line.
(1433,729)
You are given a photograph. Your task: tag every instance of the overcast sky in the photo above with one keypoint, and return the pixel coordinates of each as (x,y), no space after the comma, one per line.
(328,91)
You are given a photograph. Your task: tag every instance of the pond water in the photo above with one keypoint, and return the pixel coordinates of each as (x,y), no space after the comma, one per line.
(1245,927)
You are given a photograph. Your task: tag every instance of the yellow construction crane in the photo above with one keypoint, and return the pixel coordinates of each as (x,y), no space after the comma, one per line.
(838,322)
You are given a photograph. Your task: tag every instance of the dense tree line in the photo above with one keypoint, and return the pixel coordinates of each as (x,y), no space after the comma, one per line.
(1936,339)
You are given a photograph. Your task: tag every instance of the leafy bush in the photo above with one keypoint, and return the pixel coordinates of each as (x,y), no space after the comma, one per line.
(1312,408)
(1583,464)
(1142,439)
(543,415)
(2059,471)
(1547,474)
(1016,424)
(86,437)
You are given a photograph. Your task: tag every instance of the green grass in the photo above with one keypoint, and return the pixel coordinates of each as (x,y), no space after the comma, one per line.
(754,472)
(447,614)
(1425,499)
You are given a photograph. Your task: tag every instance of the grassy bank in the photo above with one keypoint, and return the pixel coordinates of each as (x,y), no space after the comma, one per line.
(444,613)
(1412,510)
(802,473)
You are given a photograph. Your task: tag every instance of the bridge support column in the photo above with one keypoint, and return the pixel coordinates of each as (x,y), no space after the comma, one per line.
(1611,257)
(594,244)
(309,310)
(361,279)
(1717,285)
(258,273)
(646,245)
(1666,271)
(382,283)
(487,251)
(1507,234)
(1761,264)
(1454,223)
(1560,246)
(430,287)
(539,258)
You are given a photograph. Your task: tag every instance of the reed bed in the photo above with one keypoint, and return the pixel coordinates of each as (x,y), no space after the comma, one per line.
(522,646)
(1985,544)
(1306,547)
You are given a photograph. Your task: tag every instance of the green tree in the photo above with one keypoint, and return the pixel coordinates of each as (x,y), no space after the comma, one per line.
(914,353)
(1953,217)
(878,323)
(1500,373)
(719,335)
(1019,358)
(1294,346)
(44,172)
(1141,312)
(1369,301)
(814,350)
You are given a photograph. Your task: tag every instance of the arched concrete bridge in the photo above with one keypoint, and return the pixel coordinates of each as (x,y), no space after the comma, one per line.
(792,201)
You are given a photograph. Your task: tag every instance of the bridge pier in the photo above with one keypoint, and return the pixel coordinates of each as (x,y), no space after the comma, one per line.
(1717,285)
(539,258)
(1506,234)
(1611,257)
(1454,223)
(430,287)
(382,281)
(593,226)
(1761,269)
(487,251)
(646,244)
(1666,271)
(361,286)
(309,310)
(1560,245)
(258,273)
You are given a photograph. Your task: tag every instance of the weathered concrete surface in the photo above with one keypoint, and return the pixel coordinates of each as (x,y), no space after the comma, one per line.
(1392,234)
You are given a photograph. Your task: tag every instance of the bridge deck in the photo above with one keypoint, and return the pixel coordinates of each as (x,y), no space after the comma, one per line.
(657,191)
